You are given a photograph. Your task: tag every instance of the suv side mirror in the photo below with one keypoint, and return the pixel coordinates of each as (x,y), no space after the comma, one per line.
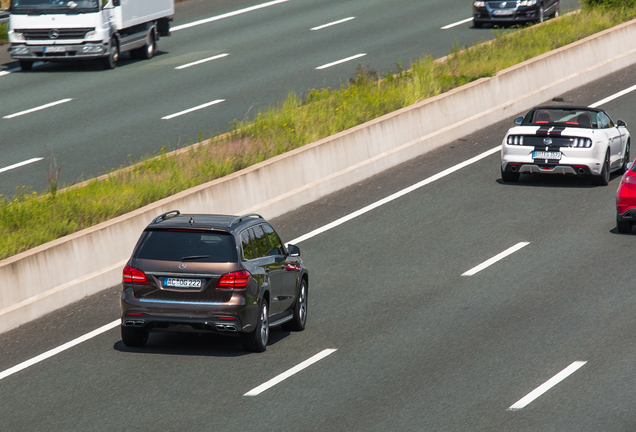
(621,123)
(519,120)
(293,250)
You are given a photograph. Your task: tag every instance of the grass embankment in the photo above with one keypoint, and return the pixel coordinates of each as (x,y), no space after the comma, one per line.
(4,27)
(29,219)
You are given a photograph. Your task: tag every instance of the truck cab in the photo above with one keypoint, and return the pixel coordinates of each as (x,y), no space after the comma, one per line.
(70,30)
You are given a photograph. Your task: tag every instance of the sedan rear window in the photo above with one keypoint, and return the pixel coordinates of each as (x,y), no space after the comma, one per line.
(184,245)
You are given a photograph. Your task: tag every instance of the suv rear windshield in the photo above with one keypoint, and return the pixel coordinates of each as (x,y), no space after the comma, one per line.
(184,245)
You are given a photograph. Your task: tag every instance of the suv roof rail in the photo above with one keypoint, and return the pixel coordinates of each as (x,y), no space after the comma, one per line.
(165,215)
(240,219)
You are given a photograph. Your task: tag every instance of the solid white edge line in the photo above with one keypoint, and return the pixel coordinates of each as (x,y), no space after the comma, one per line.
(320,27)
(523,402)
(325,66)
(496,258)
(59,349)
(171,116)
(227,15)
(202,61)
(614,96)
(19,164)
(9,71)
(446,27)
(29,111)
(271,383)
(394,196)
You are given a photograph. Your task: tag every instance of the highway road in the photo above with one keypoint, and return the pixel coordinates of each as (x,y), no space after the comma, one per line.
(256,51)
(541,340)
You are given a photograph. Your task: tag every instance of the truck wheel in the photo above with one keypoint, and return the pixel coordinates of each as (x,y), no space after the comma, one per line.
(26,65)
(110,62)
(148,51)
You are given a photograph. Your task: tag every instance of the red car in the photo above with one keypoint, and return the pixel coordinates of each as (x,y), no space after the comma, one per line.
(626,201)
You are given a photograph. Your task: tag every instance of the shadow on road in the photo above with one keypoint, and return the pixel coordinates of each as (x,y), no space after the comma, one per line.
(197,344)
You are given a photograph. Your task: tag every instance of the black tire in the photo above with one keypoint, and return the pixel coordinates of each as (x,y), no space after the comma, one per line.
(623,227)
(299,320)
(26,65)
(256,341)
(478,24)
(134,336)
(626,158)
(147,51)
(509,177)
(110,62)
(603,179)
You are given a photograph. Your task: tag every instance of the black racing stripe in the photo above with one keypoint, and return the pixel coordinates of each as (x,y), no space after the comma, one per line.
(557,130)
(543,131)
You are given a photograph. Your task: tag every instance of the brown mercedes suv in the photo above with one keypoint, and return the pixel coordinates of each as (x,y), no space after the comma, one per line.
(223,274)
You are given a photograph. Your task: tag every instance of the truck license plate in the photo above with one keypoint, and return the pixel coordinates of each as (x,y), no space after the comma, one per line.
(54,49)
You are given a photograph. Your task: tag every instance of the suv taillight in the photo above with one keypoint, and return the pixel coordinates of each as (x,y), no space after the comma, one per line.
(134,276)
(234,280)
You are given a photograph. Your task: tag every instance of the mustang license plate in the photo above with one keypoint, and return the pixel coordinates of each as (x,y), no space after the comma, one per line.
(502,12)
(54,49)
(182,283)
(546,155)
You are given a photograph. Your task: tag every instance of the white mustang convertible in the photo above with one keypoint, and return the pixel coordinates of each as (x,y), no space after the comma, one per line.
(573,140)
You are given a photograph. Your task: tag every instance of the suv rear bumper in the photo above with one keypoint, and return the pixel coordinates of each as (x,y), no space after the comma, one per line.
(233,316)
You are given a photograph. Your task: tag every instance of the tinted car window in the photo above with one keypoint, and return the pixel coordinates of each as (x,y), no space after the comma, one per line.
(261,245)
(246,245)
(274,241)
(174,245)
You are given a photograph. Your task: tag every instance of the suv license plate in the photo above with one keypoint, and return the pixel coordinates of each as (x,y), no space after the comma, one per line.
(546,155)
(182,283)
(54,49)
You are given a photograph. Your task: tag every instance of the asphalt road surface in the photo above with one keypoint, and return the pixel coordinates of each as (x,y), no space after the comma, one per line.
(101,120)
(541,340)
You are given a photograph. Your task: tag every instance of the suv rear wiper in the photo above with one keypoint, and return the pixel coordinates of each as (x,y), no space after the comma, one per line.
(194,257)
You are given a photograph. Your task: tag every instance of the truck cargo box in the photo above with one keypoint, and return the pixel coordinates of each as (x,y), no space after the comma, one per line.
(134,12)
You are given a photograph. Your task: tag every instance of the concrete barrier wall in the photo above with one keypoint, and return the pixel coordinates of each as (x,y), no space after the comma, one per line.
(56,274)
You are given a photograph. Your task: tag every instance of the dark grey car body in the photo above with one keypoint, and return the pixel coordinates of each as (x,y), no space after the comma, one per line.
(186,260)
(513,12)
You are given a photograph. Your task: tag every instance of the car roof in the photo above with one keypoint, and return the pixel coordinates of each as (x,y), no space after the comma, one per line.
(228,223)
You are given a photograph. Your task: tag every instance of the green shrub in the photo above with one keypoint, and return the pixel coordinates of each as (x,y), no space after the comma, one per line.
(609,3)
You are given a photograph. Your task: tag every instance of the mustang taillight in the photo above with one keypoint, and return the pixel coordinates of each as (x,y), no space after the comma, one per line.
(234,280)
(134,276)
(580,142)
(515,139)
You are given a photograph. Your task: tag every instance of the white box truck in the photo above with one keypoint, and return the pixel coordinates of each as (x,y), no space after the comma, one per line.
(67,30)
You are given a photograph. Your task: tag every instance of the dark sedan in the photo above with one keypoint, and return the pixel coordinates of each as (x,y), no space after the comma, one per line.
(513,12)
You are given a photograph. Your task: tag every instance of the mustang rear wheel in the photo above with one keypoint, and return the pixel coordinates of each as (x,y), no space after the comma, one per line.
(509,177)
(603,179)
